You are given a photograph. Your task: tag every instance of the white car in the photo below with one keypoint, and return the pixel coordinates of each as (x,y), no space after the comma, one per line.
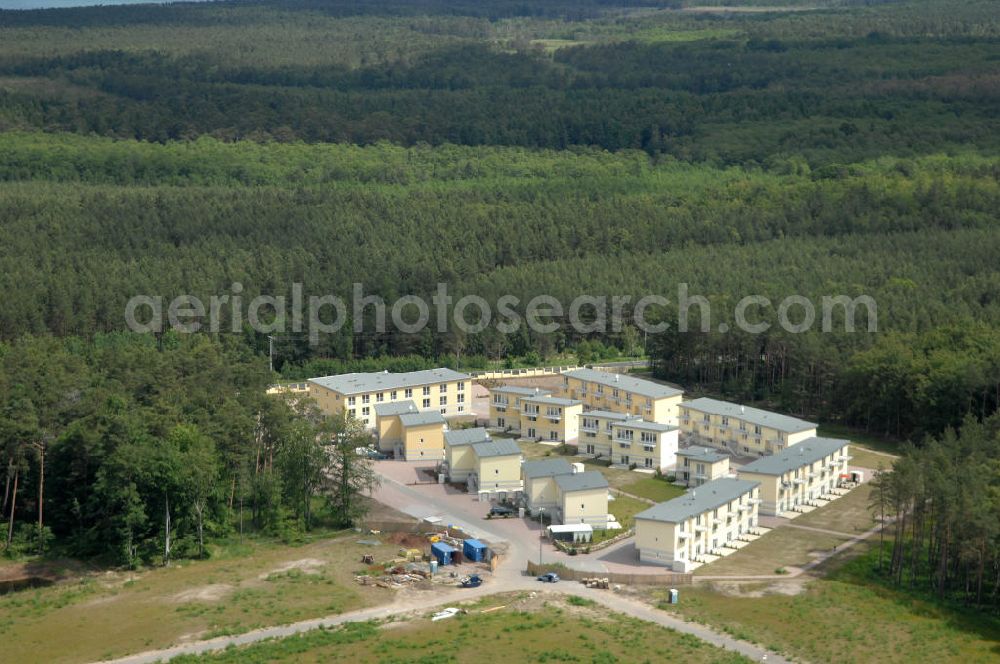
(450,612)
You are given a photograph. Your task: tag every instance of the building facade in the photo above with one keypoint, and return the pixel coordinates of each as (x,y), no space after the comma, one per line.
(505,406)
(680,532)
(743,430)
(551,419)
(540,488)
(497,468)
(460,460)
(441,390)
(596,437)
(698,465)
(644,444)
(583,498)
(423,436)
(621,393)
(798,475)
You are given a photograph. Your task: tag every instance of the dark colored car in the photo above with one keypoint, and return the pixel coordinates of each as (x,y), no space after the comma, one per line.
(549,577)
(500,512)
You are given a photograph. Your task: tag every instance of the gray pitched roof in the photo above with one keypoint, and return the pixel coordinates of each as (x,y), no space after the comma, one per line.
(706,497)
(356,383)
(704,454)
(644,426)
(591,479)
(764,418)
(804,452)
(646,388)
(466,436)
(421,418)
(546,468)
(496,447)
(520,390)
(551,400)
(608,415)
(395,408)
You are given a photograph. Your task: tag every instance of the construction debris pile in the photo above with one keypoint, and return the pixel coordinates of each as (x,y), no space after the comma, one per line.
(595,582)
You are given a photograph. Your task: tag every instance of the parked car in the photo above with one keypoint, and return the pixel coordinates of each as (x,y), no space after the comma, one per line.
(473,581)
(500,512)
(549,577)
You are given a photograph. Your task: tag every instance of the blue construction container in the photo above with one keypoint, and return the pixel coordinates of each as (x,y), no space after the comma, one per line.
(474,550)
(443,552)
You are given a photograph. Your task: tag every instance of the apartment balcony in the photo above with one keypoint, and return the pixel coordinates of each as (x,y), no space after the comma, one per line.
(592,429)
(531,411)
(844,458)
(649,448)
(701,529)
(553,418)
(683,534)
(619,439)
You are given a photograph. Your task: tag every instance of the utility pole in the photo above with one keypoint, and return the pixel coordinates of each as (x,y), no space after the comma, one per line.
(541,532)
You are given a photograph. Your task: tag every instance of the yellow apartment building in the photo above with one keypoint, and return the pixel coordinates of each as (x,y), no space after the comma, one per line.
(621,393)
(697,465)
(798,475)
(388,430)
(460,460)
(444,391)
(423,436)
(644,444)
(549,418)
(743,430)
(497,469)
(540,488)
(596,438)
(681,532)
(583,498)
(505,406)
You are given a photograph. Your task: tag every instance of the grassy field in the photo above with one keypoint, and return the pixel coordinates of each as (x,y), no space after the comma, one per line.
(241,587)
(848,514)
(542,629)
(844,617)
(654,488)
(782,547)
(869,440)
(868,459)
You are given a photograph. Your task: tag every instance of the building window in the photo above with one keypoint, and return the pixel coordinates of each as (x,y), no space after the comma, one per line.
(427,390)
(501,422)
(366,398)
(408,392)
(442,388)
(649,462)
(443,401)
(427,403)
(350,401)
(392,395)
(365,411)
(461,387)
(351,413)
(444,410)
(461,398)
(380,397)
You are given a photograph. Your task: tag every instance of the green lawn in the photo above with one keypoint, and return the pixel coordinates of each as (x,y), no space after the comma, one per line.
(244,586)
(542,629)
(848,514)
(844,618)
(869,440)
(654,488)
(782,547)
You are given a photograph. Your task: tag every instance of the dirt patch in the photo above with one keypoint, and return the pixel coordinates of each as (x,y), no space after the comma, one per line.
(306,565)
(210,593)
(407,540)
(789,587)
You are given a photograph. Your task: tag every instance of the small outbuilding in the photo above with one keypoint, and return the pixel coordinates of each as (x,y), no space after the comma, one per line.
(474,550)
(444,553)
